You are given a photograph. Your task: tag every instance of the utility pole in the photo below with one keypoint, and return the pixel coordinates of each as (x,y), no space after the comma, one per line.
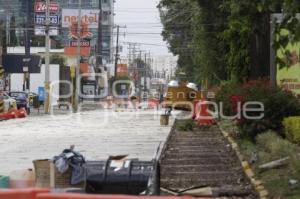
(7,44)
(77,73)
(149,65)
(7,29)
(99,56)
(47,61)
(130,53)
(100,32)
(145,74)
(26,69)
(117,52)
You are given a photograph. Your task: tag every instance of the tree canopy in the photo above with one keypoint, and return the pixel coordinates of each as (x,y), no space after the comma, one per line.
(225,39)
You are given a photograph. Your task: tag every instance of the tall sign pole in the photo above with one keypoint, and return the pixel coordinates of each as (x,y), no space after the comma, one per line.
(77,73)
(47,60)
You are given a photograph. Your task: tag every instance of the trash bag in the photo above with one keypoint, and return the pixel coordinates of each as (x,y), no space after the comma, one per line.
(70,158)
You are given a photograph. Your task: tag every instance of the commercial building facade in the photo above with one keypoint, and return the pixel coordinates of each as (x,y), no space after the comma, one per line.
(15,24)
(13,14)
(107,7)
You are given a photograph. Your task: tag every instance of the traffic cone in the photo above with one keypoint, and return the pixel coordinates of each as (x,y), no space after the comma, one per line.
(203,118)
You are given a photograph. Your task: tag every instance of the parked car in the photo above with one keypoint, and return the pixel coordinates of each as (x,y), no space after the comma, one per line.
(22,99)
(9,102)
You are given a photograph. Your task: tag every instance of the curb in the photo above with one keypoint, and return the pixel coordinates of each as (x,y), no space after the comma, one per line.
(257,184)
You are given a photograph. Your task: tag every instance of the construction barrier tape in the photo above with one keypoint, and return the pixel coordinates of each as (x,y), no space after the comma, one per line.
(1,72)
(1,106)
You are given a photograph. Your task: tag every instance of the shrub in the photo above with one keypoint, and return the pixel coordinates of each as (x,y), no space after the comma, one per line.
(278,104)
(273,147)
(292,128)
(224,95)
(187,125)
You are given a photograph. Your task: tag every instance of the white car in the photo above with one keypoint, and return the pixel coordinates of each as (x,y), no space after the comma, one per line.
(9,102)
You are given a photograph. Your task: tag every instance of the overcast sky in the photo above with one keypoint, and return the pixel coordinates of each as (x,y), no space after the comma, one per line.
(141,17)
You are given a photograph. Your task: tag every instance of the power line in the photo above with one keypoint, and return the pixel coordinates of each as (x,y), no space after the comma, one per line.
(146,44)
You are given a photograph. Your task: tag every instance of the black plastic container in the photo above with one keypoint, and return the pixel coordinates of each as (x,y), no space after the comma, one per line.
(133,177)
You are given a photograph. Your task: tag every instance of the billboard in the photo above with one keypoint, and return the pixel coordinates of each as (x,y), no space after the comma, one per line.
(14,63)
(41,6)
(90,17)
(288,77)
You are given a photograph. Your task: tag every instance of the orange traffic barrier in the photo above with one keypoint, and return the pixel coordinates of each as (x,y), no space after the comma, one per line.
(86,196)
(37,193)
(9,115)
(21,113)
(21,193)
(13,113)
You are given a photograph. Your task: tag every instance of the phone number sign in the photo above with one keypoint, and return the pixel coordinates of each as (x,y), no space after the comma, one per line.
(41,19)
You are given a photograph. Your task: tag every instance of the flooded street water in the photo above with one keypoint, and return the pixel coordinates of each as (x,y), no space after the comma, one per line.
(96,134)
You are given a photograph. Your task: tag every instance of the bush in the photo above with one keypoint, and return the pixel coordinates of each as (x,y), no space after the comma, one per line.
(292,128)
(187,125)
(278,104)
(273,147)
(224,95)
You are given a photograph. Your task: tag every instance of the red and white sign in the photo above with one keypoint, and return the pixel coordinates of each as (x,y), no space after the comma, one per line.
(89,17)
(42,7)
(122,70)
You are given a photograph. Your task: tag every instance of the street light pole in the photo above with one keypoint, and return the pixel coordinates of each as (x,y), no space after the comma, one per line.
(47,61)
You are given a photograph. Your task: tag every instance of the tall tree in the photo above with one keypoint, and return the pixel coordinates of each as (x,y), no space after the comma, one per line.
(177,17)
(226,39)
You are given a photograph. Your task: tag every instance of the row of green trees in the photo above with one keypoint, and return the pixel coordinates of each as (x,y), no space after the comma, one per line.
(219,40)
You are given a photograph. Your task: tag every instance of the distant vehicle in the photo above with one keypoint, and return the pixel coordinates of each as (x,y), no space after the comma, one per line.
(9,102)
(181,96)
(22,99)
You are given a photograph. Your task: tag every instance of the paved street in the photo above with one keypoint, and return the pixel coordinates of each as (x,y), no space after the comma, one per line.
(96,134)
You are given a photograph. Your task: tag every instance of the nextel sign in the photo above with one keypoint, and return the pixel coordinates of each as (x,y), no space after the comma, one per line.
(90,17)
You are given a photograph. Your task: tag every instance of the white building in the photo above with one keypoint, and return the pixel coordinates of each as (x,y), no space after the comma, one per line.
(165,65)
